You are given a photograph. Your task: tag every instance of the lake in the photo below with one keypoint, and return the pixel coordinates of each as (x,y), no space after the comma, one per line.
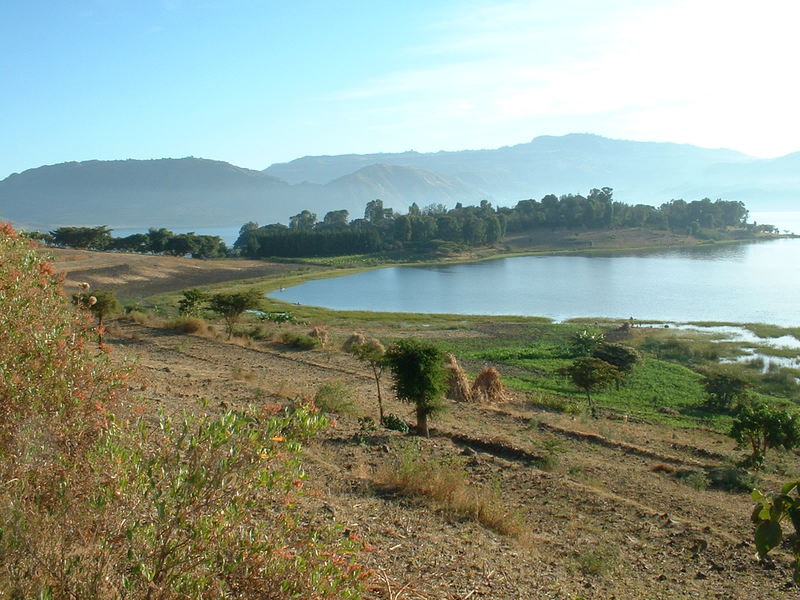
(743,283)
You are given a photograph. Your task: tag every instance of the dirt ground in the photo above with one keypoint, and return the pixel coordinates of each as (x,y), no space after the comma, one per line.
(607,519)
(138,276)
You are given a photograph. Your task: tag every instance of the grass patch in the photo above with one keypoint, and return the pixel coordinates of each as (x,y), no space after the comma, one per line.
(597,560)
(336,397)
(763,330)
(445,481)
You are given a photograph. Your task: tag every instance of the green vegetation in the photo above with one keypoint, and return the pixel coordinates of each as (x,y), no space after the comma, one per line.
(231,306)
(372,353)
(764,426)
(437,231)
(155,241)
(419,378)
(336,397)
(100,502)
(590,374)
(770,511)
(724,389)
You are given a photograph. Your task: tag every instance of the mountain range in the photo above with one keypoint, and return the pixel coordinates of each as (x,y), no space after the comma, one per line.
(201,193)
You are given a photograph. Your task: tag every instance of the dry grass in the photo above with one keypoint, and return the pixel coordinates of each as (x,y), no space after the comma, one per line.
(460,389)
(445,481)
(321,334)
(488,387)
(191,325)
(356,339)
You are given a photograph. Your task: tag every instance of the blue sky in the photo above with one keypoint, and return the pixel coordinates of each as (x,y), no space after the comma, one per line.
(257,82)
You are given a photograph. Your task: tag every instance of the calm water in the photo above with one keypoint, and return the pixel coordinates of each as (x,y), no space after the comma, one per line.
(734,283)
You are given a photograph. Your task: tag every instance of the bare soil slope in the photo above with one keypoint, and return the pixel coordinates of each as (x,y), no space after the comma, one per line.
(138,276)
(607,519)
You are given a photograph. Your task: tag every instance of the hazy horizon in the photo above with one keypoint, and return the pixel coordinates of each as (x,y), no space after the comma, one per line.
(255,84)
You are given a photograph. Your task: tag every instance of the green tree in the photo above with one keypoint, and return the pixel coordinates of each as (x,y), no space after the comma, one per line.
(623,357)
(376,214)
(231,306)
(583,343)
(336,219)
(82,237)
(191,303)
(303,221)
(723,389)
(158,239)
(373,353)
(590,374)
(419,378)
(763,427)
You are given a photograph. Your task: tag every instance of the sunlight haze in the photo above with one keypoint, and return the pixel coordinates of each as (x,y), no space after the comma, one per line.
(255,83)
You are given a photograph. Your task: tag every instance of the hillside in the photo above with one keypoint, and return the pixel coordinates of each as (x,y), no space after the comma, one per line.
(198,193)
(593,509)
(578,507)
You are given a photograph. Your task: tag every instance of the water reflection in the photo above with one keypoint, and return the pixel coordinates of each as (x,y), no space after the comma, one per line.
(723,283)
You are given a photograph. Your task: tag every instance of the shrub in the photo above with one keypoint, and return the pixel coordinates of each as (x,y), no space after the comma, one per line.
(95,505)
(191,303)
(189,325)
(770,510)
(395,423)
(336,397)
(582,343)
(723,389)
(763,427)
(445,481)
(697,480)
(299,341)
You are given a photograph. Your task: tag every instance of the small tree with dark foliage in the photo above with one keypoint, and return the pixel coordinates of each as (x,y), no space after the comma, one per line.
(232,306)
(623,357)
(723,389)
(590,374)
(420,378)
(764,426)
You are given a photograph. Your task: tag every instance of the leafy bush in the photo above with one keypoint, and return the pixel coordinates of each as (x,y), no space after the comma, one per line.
(723,389)
(763,427)
(191,303)
(769,512)
(299,341)
(582,343)
(278,317)
(395,423)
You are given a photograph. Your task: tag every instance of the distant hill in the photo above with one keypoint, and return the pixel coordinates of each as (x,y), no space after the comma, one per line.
(639,172)
(193,192)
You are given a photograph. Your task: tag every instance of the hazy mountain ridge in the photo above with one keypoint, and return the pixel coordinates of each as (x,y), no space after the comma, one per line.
(194,192)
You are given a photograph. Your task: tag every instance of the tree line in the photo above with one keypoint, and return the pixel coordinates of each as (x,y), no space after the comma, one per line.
(432,228)
(155,241)
(436,226)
